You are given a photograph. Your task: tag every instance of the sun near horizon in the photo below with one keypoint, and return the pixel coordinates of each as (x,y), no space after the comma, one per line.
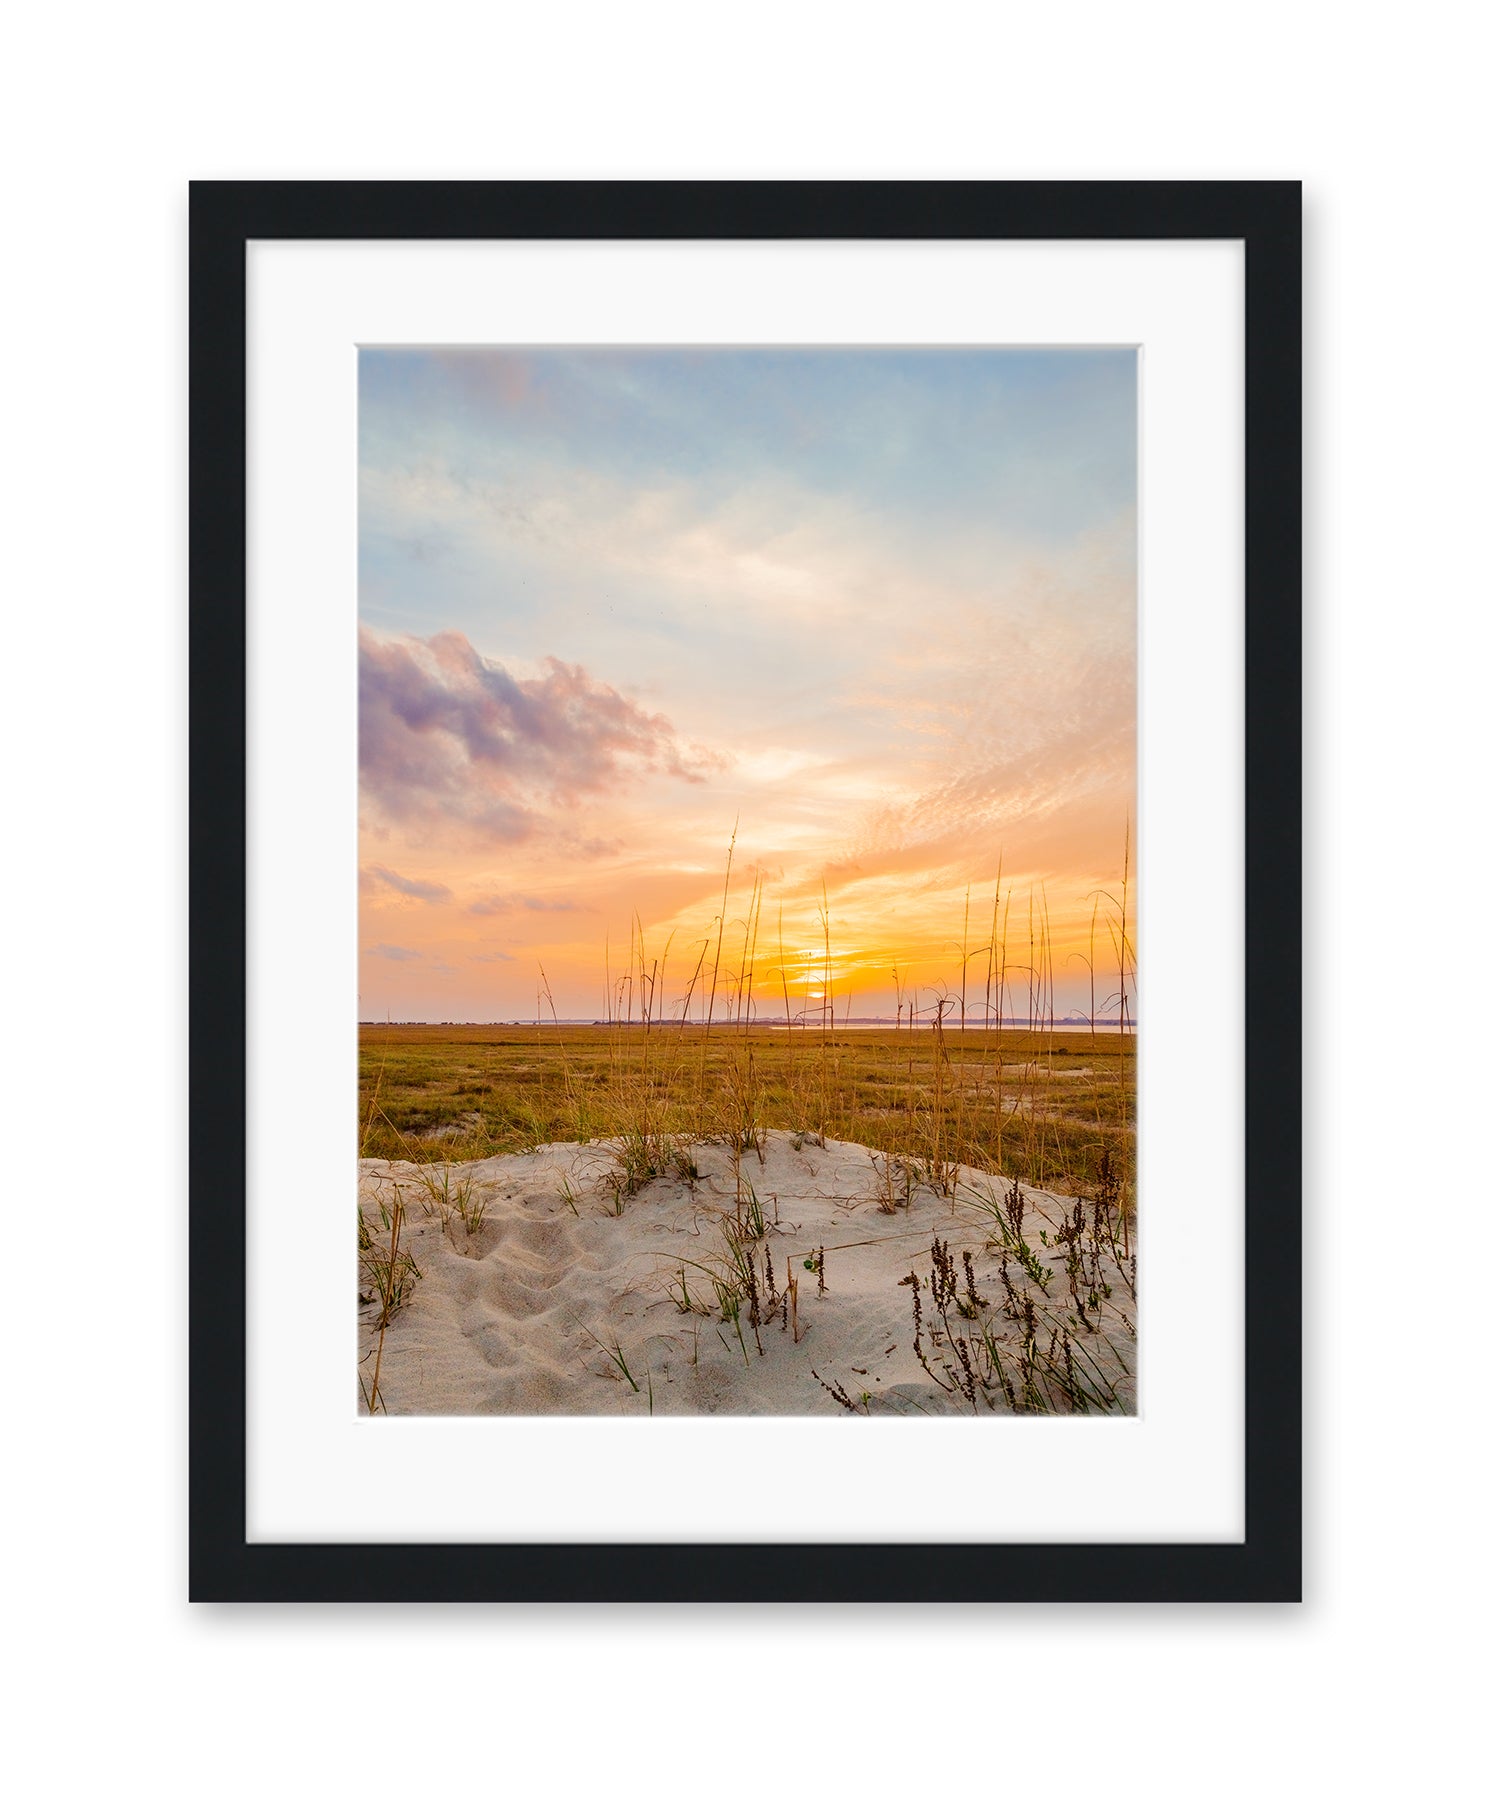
(869,614)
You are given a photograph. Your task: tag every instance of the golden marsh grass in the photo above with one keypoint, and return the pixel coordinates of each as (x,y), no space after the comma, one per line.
(1040,1104)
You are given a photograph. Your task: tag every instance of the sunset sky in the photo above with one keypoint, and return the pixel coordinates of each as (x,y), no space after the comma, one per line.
(879,606)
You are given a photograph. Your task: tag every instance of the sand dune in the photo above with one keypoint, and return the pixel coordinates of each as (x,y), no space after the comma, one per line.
(558,1304)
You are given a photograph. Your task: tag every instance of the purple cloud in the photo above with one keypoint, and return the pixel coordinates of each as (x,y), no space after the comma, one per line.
(394,952)
(375,877)
(444,732)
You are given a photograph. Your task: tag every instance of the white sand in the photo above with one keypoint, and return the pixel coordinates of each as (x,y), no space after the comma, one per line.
(522,1315)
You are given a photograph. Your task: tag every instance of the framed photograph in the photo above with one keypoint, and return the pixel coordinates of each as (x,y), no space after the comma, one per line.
(745,891)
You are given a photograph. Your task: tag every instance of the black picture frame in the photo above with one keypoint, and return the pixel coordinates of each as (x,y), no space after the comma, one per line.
(224,218)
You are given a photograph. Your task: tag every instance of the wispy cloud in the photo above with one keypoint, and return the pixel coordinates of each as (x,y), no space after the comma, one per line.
(393,952)
(492,904)
(375,877)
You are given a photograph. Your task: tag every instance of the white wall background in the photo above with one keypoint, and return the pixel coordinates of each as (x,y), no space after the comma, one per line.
(1374,1685)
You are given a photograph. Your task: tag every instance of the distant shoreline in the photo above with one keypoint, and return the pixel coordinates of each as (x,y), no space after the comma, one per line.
(814,1024)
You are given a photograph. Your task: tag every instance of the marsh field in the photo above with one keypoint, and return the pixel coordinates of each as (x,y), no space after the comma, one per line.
(1044,1106)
